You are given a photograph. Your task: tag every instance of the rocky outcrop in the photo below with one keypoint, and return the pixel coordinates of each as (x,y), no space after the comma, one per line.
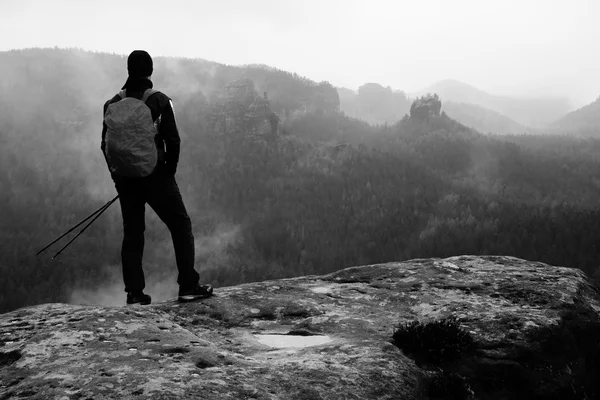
(425,107)
(529,328)
(240,109)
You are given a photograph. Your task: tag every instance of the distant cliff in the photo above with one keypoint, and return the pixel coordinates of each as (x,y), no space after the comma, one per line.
(374,103)
(461,327)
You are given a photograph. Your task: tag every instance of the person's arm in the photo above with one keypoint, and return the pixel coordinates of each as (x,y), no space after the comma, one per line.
(170,135)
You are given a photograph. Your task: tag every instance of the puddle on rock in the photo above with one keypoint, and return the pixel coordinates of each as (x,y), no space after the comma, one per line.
(321,289)
(283,341)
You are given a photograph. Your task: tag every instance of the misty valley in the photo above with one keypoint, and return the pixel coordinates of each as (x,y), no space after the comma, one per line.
(283,176)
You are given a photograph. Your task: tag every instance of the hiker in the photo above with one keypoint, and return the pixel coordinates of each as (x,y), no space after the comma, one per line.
(140,142)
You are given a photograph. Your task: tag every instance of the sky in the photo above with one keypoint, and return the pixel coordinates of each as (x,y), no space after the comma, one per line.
(510,47)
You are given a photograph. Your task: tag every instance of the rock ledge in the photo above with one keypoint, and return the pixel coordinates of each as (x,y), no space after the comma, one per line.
(335,333)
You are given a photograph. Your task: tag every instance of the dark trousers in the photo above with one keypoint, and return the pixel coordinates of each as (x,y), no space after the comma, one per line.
(161,192)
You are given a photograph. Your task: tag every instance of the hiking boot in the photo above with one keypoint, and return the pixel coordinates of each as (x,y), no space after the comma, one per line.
(138,298)
(195,292)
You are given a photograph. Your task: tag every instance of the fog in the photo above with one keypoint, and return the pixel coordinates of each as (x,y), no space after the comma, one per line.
(160,280)
(508,47)
(320,192)
(323,192)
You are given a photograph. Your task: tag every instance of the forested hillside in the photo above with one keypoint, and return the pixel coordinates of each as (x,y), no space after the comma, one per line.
(482,119)
(277,180)
(583,122)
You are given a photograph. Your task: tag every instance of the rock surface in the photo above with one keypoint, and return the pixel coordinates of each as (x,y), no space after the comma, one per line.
(325,337)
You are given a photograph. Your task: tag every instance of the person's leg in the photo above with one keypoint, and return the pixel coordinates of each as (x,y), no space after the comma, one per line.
(131,197)
(165,199)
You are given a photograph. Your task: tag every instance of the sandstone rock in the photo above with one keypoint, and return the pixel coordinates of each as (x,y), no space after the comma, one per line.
(319,337)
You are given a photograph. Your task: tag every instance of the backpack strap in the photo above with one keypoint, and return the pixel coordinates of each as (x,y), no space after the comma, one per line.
(148,93)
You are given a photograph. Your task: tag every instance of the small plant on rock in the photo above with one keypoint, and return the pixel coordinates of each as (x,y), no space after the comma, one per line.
(9,357)
(434,342)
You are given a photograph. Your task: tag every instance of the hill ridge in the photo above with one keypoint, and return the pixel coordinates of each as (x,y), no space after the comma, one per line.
(536,112)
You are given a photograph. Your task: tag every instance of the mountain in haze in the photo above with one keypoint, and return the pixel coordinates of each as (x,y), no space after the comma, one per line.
(374,103)
(584,121)
(482,119)
(379,105)
(534,112)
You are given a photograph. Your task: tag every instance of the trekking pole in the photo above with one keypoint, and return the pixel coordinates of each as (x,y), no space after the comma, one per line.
(85,227)
(96,213)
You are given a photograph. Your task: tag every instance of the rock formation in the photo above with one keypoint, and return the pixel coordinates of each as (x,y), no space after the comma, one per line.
(241,109)
(425,107)
(510,329)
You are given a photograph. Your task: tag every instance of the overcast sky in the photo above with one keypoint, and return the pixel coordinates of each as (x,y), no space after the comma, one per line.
(502,46)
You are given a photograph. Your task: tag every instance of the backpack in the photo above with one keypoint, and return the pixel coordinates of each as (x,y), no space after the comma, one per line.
(130,136)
